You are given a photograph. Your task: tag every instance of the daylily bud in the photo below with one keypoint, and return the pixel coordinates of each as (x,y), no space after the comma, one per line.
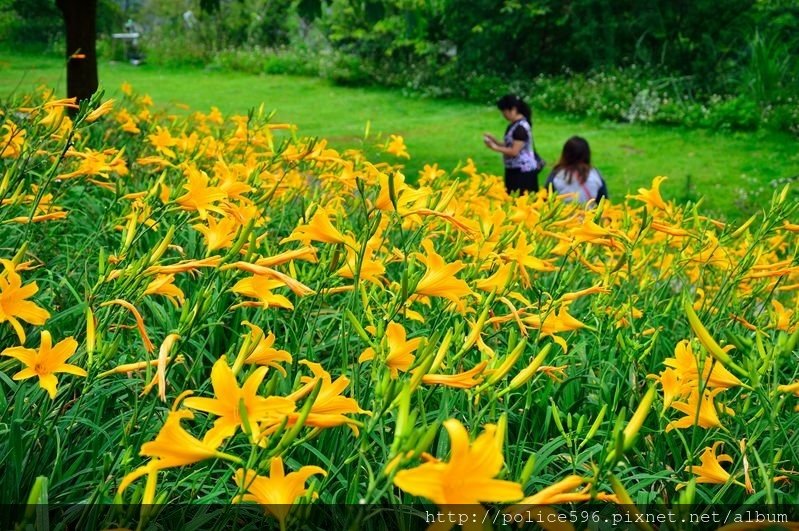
(162,247)
(245,420)
(626,503)
(401,425)
(427,439)
(392,191)
(595,426)
(618,438)
(580,423)
(740,230)
(427,360)
(784,193)
(20,254)
(446,198)
(707,340)
(507,365)
(37,496)
(90,333)
(442,351)
(102,263)
(471,339)
(637,420)
(527,471)
(687,495)
(130,232)
(522,378)
(244,236)
(556,417)
(357,327)
(4,183)
(790,345)
(304,412)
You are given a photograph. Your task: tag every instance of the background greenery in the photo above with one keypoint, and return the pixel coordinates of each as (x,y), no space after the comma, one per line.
(735,171)
(722,65)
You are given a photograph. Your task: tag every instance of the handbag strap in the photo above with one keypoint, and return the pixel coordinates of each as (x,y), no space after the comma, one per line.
(588,196)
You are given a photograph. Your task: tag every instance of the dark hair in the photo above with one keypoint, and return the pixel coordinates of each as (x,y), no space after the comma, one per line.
(510,101)
(575,159)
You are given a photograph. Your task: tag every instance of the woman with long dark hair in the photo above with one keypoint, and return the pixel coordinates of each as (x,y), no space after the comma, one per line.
(521,164)
(574,177)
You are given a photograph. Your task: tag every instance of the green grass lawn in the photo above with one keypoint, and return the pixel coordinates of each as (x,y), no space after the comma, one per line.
(733,171)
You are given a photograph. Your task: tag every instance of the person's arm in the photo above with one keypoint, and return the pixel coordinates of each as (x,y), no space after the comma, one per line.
(491,137)
(511,151)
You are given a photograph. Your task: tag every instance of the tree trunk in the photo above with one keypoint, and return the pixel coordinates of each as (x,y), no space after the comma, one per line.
(80,19)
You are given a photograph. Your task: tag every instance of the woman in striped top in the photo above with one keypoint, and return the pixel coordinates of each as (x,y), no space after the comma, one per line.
(521,166)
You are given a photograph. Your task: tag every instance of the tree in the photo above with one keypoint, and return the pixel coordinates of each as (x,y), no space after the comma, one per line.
(80,20)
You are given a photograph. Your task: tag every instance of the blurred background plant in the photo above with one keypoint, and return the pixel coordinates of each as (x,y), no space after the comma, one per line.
(729,65)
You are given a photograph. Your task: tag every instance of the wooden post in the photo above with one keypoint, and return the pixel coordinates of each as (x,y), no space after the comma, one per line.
(80,20)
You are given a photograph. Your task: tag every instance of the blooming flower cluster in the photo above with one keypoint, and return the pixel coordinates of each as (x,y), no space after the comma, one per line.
(300,307)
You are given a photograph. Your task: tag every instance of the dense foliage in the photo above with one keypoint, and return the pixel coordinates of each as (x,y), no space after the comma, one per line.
(730,64)
(213,309)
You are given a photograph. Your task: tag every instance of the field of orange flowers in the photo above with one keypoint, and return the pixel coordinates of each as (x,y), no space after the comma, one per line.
(209,309)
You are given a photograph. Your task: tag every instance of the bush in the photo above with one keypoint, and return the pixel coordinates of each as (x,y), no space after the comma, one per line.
(740,113)
(268,61)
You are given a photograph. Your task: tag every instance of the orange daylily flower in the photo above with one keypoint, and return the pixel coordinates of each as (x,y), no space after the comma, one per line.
(14,305)
(71,103)
(231,401)
(552,323)
(669,229)
(499,280)
(100,111)
(277,492)
(200,196)
(42,217)
(319,229)
(439,278)
(218,234)
(467,478)
(686,364)
(403,193)
(263,353)
(589,232)
(162,141)
(698,412)
(568,297)
(560,492)
(12,141)
(330,407)
(260,288)
(710,471)
(522,254)
(164,285)
(459,223)
(370,270)
(652,196)
(782,317)
(294,285)
(790,388)
(46,361)
(400,351)
(396,147)
(172,447)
